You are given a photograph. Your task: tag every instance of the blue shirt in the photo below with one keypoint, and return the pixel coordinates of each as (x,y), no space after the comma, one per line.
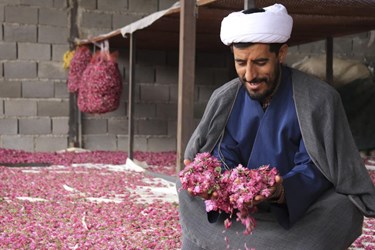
(254,137)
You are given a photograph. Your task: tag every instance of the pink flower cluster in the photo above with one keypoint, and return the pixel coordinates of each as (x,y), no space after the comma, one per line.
(68,219)
(232,191)
(100,86)
(161,162)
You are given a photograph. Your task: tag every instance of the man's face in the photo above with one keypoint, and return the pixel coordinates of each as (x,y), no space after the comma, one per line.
(258,68)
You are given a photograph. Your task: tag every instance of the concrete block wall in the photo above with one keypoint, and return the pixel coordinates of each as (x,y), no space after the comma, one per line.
(34,108)
(34,102)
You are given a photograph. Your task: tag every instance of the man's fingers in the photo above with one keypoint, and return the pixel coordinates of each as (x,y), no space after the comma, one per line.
(187,162)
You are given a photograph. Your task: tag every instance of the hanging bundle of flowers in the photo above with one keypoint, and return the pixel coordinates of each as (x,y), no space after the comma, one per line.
(81,58)
(101,84)
(232,191)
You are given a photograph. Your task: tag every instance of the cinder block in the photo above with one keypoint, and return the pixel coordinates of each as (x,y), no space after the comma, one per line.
(53,34)
(204,76)
(92,32)
(123,19)
(35,126)
(145,110)
(20,33)
(165,4)
(18,142)
(100,142)
(155,93)
(120,111)
(8,51)
(37,89)
(34,51)
(199,110)
(167,75)
(151,57)
(50,143)
(52,70)
(204,93)
(87,4)
(172,128)
(140,143)
(21,14)
(143,6)
(20,107)
(8,126)
(60,4)
(210,60)
(61,90)
(173,93)
(60,125)
(166,110)
(54,17)
(172,58)
(162,144)
(114,5)
(94,126)
(221,76)
(118,126)
(361,48)
(96,20)
(19,70)
(1,107)
(38,3)
(2,13)
(343,46)
(58,51)
(318,47)
(53,108)
(10,89)
(151,127)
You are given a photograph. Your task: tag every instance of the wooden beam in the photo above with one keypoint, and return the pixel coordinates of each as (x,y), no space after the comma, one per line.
(329,60)
(186,78)
(131,95)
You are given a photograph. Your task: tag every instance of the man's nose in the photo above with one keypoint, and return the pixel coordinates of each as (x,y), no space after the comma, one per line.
(250,73)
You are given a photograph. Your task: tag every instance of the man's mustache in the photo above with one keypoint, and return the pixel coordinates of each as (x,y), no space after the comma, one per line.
(256,80)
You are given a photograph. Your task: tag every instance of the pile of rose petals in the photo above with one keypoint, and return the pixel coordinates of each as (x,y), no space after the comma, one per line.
(367,240)
(83,208)
(65,207)
(161,162)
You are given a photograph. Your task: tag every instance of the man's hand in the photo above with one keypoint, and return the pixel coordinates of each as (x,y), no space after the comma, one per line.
(277,193)
(205,196)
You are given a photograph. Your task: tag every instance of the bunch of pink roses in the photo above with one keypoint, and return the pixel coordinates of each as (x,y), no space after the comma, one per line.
(232,191)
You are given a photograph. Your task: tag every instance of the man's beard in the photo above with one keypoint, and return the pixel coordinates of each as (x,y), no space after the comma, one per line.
(272,86)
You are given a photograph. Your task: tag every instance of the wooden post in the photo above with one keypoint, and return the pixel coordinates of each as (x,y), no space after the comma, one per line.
(186,78)
(329,60)
(131,95)
(248,4)
(74,135)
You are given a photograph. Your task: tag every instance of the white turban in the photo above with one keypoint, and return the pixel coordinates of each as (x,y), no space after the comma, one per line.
(272,26)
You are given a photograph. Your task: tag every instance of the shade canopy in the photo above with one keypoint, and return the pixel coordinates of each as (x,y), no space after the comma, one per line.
(314,20)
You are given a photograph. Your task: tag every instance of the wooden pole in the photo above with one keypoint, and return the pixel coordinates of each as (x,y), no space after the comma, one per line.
(186,78)
(248,4)
(329,60)
(131,95)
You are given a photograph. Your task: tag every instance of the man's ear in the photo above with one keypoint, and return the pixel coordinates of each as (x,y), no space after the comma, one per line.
(283,52)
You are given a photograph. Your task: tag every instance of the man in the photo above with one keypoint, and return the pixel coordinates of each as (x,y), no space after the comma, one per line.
(272,114)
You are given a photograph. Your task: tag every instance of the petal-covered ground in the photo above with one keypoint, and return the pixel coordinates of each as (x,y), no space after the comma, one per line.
(97,200)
